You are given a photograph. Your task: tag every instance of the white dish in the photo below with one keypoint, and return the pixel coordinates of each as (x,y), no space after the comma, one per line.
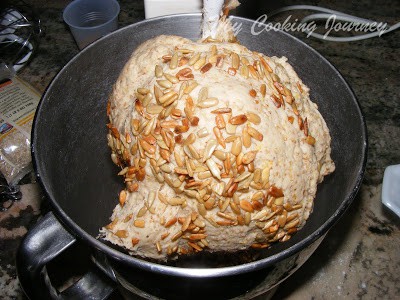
(391,188)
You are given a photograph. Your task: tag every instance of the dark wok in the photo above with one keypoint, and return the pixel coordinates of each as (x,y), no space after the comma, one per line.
(72,162)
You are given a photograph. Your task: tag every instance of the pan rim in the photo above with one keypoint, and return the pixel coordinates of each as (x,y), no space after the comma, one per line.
(81,234)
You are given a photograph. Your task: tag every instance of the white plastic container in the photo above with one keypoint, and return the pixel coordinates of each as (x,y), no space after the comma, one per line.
(391,188)
(155,8)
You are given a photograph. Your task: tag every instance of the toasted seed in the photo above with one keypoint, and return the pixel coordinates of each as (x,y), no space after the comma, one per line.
(176,112)
(174,61)
(190,87)
(147,147)
(194,121)
(166,58)
(265,65)
(232,71)
(218,135)
(175,201)
(199,63)
(257,175)
(206,68)
(239,159)
(166,99)
(263,89)
(279,87)
(209,102)
(212,166)
(171,78)
(257,205)
(219,121)
(154,109)
(265,175)
(204,175)
(158,71)
(249,157)
(292,224)
(143,91)
(214,50)
(224,110)
(244,71)
(253,72)
(310,140)
(231,139)
(181,170)
(244,60)
(166,168)
(253,93)
(276,101)
(246,138)
(294,107)
(142,211)
(242,176)
(191,138)
(146,100)
(275,192)
(254,133)
(202,132)
(123,172)
(176,236)
(238,120)
(291,217)
(165,154)
(203,94)
(198,236)
(186,223)
(182,88)
(299,87)
(289,99)
(165,83)
(209,149)
(122,197)
(157,92)
(235,60)
(139,109)
(221,155)
(247,218)
(213,59)
(279,201)
(232,189)
(158,246)
(193,151)
(194,59)
(139,223)
(150,126)
(201,209)
(253,118)
(183,61)
(230,129)
(227,163)
(236,146)
(121,233)
(184,74)
(246,206)
(257,196)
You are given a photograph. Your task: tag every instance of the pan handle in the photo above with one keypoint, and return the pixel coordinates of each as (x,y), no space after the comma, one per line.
(45,241)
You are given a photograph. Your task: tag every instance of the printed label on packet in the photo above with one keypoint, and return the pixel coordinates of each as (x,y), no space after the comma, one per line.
(18,102)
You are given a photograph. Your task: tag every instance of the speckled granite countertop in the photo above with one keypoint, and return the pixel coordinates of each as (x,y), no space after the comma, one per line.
(360,256)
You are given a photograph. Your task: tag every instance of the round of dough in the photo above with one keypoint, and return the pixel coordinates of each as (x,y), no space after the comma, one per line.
(220,147)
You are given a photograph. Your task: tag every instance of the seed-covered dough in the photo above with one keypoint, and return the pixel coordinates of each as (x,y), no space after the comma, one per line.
(220,147)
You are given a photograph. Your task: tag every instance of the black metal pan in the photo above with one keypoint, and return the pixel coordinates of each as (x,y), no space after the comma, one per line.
(72,162)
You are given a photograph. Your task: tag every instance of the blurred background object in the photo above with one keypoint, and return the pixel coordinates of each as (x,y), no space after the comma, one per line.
(155,8)
(20,29)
